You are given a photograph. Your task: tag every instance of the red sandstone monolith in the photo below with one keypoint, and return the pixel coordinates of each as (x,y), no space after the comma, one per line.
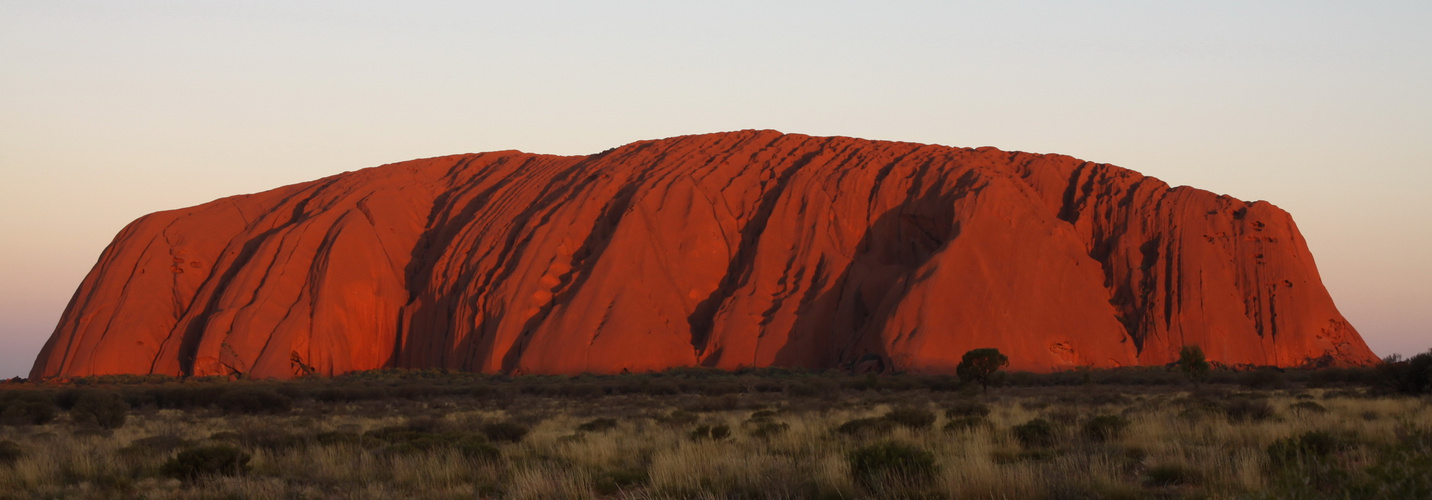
(741,249)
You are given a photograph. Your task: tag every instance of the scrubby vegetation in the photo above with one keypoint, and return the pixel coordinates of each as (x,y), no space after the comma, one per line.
(771,433)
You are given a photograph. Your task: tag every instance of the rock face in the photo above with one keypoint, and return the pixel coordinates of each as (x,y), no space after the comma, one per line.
(739,249)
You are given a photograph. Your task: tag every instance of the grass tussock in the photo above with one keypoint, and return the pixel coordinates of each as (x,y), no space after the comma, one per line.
(701,434)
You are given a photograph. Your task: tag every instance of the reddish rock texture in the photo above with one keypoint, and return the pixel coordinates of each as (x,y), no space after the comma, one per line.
(738,249)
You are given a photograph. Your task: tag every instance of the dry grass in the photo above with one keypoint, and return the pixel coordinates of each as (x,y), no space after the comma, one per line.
(1207,454)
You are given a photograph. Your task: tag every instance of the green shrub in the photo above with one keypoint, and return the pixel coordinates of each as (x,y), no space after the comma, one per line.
(911,417)
(510,432)
(102,408)
(866,426)
(890,460)
(598,425)
(10,452)
(1037,433)
(250,400)
(1193,364)
(967,409)
(220,460)
(1105,427)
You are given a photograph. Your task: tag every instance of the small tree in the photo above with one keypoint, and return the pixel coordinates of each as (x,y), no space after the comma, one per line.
(1190,360)
(980,364)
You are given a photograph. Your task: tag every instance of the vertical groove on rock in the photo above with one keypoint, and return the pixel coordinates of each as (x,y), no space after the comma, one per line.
(739,268)
(190,340)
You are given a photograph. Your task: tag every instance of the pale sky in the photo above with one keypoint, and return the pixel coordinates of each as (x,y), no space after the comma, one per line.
(111,110)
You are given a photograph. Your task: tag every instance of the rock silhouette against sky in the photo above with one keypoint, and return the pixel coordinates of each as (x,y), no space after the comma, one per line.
(728,250)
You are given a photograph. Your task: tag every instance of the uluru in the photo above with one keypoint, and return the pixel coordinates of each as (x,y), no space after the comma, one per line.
(727,250)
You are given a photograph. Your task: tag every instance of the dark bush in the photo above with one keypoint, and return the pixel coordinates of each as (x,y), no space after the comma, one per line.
(720,431)
(1329,377)
(1193,364)
(662,388)
(510,432)
(866,427)
(1247,410)
(764,414)
(1038,404)
(426,423)
(598,425)
(29,408)
(678,418)
(293,392)
(1105,427)
(980,365)
(708,404)
(1037,433)
(102,408)
(874,464)
(967,409)
(333,438)
(194,463)
(1170,475)
(419,444)
(721,389)
(966,423)
(1412,376)
(160,444)
(1263,378)
(10,452)
(612,482)
(765,429)
(819,388)
(1307,407)
(273,439)
(942,383)
(869,382)
(1062,415)
(66,399)
(716,432)
(1308,446)
(226,436)
(911,417)
(474,447)
(250,400)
